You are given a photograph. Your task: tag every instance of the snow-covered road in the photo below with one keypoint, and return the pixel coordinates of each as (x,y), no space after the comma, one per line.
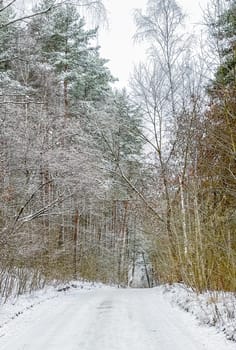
(109,319)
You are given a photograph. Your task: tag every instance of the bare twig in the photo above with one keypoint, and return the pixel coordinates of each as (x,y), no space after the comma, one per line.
(26,17)
(8,5)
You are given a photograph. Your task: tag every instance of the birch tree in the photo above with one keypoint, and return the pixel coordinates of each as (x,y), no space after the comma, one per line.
(156,87)
(168,89)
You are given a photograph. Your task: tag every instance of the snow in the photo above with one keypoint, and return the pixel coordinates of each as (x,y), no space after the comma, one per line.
(216,309)
(18,305)
(106,319)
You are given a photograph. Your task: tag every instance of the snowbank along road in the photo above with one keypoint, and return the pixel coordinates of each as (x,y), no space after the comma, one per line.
(109,319)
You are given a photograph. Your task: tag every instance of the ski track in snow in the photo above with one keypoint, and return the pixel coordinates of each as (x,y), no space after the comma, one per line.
(109,319)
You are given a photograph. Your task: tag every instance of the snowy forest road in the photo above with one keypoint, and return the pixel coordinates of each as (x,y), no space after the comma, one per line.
(109,319)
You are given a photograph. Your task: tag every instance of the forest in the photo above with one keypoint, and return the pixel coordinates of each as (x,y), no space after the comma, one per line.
(95,180)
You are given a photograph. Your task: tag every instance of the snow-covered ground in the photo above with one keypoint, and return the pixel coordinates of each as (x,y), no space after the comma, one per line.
(18,305)
(216,309)
(106,319)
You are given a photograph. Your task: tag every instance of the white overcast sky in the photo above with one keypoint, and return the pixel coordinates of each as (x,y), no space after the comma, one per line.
(117,44)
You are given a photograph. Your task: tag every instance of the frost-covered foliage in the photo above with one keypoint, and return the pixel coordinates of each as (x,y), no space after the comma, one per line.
(57,110)
(216,309)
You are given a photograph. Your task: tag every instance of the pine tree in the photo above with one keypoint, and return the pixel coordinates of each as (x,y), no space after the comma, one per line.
(68,48)
(224,30)
(9,40)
